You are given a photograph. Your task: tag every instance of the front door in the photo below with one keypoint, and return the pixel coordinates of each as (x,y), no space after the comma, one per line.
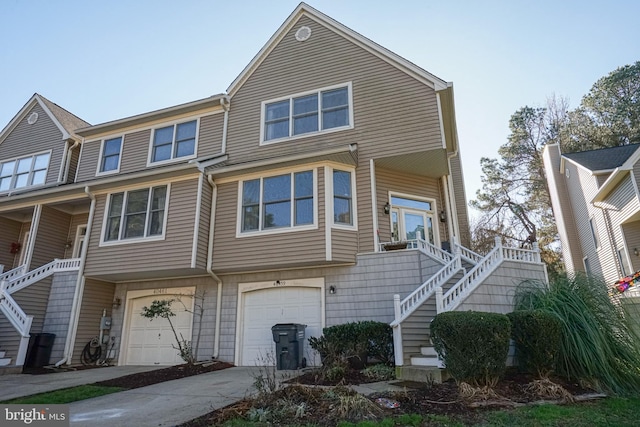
(81,232)
(412,220)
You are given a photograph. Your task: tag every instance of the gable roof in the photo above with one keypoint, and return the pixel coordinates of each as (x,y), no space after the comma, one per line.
(65,121)
(304,9)
(603,159)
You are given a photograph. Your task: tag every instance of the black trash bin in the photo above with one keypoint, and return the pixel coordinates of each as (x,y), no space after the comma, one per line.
(39,350)
(289,339)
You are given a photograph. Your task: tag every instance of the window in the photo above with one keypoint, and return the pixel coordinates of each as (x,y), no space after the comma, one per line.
(136,214)
(281,201)
(342,198)
(24,172)
(622,260)
(594,233)
(110,155)
(319,111)
(175,141)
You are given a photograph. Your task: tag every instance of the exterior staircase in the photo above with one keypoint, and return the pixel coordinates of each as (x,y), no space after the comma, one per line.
(13,281)
(4,361)
(463,271)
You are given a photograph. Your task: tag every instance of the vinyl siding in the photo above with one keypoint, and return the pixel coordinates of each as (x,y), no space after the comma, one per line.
(51,236)
(619,205)
(10,234)
(386,101)
(97,296)
(26,139)
(203,227)
(73,165)
(387,180)
(135,147)
(460,200)
(174,252)
(76,220)
(266,251)
(631,233)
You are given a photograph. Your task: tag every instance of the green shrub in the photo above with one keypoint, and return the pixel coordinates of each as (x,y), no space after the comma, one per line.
(599,345)
(355,341)
(537,335)
(474,345)
(379,372)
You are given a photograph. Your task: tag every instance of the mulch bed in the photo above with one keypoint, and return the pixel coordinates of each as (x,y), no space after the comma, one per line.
(144,379)
(322,408)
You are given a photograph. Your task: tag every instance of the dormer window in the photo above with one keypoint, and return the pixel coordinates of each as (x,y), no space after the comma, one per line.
(24,172)
(305,114)
(110,155)
(173,142)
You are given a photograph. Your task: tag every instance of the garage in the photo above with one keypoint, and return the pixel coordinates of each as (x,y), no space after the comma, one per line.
(263,308)
(151,342)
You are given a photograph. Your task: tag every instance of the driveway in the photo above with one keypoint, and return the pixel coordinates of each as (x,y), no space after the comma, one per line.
(163,404)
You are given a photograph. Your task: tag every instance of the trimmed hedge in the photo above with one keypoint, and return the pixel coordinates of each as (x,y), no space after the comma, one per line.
(355,340)
(537,335)
(474,345)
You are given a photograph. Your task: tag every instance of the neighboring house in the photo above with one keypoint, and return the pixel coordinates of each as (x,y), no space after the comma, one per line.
(276,202)
(597,210)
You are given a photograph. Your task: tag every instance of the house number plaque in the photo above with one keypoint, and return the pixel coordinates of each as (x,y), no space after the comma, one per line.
(160,291)
(279,283)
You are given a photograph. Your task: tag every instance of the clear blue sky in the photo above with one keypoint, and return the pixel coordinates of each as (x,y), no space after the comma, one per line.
(112,59)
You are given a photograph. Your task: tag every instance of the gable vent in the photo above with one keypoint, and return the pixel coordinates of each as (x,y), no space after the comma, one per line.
(303,33)
(33,117)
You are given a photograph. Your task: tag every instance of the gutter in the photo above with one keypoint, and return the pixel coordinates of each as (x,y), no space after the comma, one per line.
(212,219)
(77,296)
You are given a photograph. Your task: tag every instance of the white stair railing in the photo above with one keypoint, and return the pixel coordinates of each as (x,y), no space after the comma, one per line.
(33,276)
(467,254)
(15,314)
(416,298)
(11,274)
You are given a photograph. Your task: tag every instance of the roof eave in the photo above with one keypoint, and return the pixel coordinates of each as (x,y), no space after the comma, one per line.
(614,179)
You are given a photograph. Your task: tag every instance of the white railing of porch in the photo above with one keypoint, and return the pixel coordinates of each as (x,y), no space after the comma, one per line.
(428,248)
(33,276)
(11,274)
(467,254)
(458,292)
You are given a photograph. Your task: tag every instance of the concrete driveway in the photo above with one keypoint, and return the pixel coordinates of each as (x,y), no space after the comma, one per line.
(164,404)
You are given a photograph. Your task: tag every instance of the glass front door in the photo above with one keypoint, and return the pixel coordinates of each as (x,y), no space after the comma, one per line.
(412,221)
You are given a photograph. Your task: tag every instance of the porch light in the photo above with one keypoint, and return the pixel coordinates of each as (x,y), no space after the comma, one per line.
(443,216)
(635,251)
(116,303)
(387,208)
(332,289)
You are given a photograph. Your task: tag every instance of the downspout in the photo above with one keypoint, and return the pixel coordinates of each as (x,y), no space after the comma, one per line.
(63,165)
(226,104)
(212,220)
(447,202)
(77,296)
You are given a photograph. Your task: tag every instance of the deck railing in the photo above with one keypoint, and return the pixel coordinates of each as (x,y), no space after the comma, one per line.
(56,266)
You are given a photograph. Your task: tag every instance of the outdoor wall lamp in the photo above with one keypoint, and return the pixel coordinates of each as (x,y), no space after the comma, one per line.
(387,208)
(635,251)
(117,303)
(332,290)
(443,216)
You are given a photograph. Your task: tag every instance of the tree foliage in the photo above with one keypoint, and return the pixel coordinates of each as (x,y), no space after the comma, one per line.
(514,200)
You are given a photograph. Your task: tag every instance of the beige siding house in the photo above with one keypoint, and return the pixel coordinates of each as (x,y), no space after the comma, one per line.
(325,186)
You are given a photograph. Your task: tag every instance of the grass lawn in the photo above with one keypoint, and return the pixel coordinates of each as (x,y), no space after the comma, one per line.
(66,395)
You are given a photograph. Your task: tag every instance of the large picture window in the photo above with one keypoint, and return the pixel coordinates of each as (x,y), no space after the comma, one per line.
(24,172)
(278,202)
(312,112)
(136,214)
(175,141)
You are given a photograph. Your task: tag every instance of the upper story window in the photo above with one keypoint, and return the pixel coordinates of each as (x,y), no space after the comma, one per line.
(318,111)
(110,155)
(277,202)
(342,198)
(24,172)
(175,141)
(136,214)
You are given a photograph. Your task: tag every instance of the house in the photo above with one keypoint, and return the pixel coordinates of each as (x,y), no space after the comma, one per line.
(278,201)
(595,202)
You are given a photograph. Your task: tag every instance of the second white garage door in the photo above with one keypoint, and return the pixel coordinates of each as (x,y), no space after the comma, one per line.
(266,307)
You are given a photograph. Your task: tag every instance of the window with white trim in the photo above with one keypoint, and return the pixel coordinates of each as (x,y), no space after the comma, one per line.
(319,111)
(175,141)
(136,214)
(342,198)
(24,172)
(277,202)
(594,233)
(110,155)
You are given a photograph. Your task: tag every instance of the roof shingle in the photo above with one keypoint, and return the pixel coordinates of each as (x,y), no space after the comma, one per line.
(604,158)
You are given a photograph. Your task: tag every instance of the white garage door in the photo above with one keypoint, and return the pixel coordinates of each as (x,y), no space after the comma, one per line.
(266,307)
(151,342)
